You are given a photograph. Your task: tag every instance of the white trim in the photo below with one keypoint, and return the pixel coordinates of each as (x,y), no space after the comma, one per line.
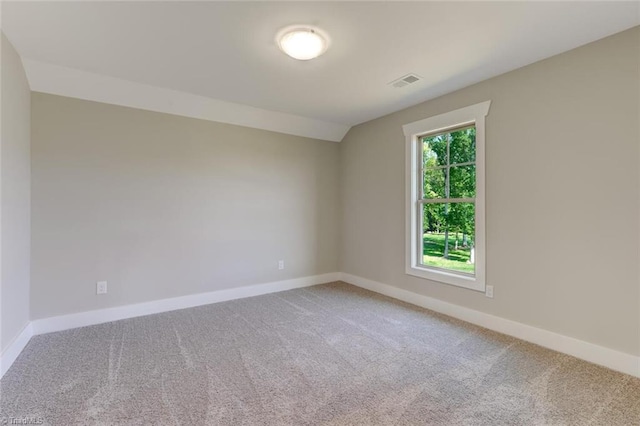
(10,354)
(610,358)
(413,131)
(83,319)
(596,354)
(79,84)
(448,119)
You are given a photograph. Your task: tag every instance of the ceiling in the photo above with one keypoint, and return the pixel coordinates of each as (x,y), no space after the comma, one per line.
(225,51)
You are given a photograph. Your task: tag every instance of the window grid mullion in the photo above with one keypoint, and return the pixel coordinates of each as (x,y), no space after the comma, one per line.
(446,200)
(446,166)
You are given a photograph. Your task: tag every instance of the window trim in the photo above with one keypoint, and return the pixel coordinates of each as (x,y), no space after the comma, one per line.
(473,114)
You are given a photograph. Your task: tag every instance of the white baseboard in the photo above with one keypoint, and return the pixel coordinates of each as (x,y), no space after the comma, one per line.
(615,360)
(606,357)
(10,354)
(83,319)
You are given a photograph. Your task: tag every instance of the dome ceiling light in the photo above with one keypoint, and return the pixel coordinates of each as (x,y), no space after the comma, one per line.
(302,42)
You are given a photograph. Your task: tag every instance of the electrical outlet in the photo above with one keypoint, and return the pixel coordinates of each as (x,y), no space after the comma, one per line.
(280,264)
(101,287)
(489,291)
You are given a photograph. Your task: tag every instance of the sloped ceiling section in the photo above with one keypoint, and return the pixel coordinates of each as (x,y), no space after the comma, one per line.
(63,81)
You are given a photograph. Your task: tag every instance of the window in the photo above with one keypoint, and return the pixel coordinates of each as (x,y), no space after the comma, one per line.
(445,197)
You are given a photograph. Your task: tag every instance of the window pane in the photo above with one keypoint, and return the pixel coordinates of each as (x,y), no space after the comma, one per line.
(434,151)
(449,234)
(462,181)
(434,183)
(463,146)
(433,217)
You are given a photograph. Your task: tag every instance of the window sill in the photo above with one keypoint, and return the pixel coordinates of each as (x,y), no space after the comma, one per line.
(451,278)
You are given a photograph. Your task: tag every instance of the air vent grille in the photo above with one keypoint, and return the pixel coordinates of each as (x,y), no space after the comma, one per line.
(405,80)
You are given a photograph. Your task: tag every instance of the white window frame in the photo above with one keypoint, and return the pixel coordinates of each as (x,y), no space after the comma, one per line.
(474,114)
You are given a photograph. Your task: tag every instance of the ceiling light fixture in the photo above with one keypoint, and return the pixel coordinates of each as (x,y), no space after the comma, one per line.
(302,42)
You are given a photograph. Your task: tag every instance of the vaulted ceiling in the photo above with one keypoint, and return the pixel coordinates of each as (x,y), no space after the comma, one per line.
(222,56)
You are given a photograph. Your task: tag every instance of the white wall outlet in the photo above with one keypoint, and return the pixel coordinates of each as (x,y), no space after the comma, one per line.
(101,287)
(489,291)
(280,264)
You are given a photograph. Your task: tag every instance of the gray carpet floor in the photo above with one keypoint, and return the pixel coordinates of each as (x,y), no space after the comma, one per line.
(326,355)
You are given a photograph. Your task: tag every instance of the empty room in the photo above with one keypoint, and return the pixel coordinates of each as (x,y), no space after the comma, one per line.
(320,213)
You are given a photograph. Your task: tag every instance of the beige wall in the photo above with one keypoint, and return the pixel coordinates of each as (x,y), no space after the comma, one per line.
(563,191)
(163,206)
(14,196)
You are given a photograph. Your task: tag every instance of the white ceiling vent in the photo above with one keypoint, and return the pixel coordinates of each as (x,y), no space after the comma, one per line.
(405,80)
